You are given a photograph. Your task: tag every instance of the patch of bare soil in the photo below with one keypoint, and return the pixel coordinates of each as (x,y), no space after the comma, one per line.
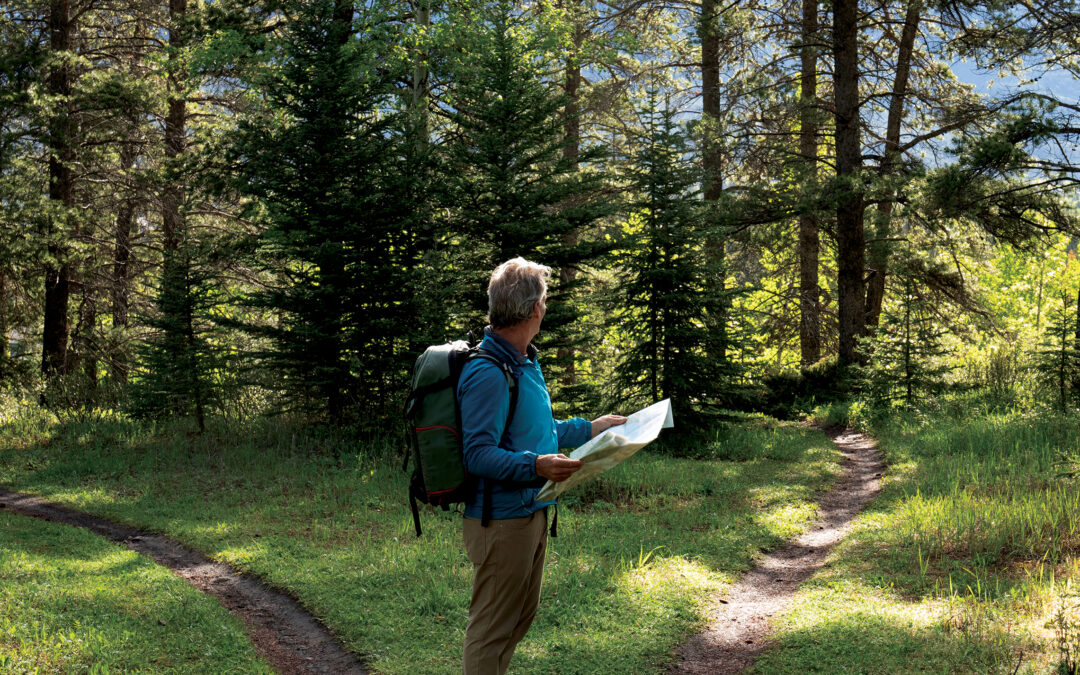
(739,623)
(282,631)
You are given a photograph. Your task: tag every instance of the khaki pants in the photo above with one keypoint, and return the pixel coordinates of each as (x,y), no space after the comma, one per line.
(508,567)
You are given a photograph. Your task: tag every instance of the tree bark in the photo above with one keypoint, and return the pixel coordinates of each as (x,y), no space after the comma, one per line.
(712,161)
(332,269)
(809,239)
(121,292)
(850,236)
(83,347)
(175,120)
(54,337)
(879,249)
(571,151)
(3,321)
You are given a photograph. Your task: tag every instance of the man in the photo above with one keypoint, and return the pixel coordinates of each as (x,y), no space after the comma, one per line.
(512,463)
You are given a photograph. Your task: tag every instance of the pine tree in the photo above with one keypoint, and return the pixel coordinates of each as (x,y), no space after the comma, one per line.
(514,189)
(907,347)
(664,292)
(321,161)
(1057,359)
(179,360)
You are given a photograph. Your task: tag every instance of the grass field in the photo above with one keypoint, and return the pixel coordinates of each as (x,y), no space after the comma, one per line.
(313,511)
(72,602)
(965,563)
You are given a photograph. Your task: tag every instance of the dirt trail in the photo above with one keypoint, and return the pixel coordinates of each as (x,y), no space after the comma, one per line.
(739,623)
(283,632)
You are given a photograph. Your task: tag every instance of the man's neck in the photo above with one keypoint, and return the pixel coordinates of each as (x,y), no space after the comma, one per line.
(520,336)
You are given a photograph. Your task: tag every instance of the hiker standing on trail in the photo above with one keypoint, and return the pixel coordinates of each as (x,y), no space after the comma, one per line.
(507,551)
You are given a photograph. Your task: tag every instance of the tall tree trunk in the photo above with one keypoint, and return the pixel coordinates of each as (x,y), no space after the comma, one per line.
(1063,358)
(3,322)
(850,237)
(571,151)
(121,292)
(809,239)
(712,160)
(83,347)
(879,248)
(54,337)
(908,375)
(175,120)
(333,269)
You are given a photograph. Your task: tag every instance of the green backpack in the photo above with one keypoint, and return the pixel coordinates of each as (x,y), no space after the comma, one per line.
(434,418)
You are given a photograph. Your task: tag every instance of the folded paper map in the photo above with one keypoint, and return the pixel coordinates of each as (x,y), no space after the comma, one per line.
(609,449)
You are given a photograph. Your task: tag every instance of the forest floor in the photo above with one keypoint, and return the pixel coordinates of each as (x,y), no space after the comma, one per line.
(963,563)
(289,638)
(740,622)
(293,641)
(313,512)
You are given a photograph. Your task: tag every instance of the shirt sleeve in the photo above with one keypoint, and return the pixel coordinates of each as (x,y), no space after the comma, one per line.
(484,398)
(573,432)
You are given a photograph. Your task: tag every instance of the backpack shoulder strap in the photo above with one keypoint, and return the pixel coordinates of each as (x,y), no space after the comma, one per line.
(511,382)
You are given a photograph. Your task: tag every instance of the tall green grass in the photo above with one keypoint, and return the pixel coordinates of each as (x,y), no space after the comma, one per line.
(991,490)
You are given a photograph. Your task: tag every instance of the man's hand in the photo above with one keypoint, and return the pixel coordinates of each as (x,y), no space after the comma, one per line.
(602,424)
(556,468)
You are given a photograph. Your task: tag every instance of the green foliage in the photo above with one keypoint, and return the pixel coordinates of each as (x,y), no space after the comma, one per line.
(665,291)
(320,158)
(179,359)
(906,349)
(514,188)
(1057,359)
(789,395)
(988,184)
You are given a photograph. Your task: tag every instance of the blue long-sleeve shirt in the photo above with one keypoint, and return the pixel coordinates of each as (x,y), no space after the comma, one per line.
(484,398)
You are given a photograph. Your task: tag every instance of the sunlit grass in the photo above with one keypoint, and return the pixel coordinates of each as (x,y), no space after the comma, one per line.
(639,552)
(959,564)
(72,602)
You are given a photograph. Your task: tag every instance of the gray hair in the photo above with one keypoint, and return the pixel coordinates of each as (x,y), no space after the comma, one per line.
(515,286)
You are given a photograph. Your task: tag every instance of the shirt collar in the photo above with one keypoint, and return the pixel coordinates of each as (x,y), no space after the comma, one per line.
(511,350)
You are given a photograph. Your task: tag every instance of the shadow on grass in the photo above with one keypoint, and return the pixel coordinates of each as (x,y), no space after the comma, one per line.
(627,578)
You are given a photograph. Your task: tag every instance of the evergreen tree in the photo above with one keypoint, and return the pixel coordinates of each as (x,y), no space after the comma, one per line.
(179,359)
(514,189)
(320,161)
(1057,359)
(23,199)
(907,348)
(664,291)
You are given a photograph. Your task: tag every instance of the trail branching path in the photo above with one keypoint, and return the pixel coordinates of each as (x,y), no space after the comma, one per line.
(739,623)
(282,631)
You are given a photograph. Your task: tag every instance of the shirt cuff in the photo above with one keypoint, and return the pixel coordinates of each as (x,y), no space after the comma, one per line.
(532,461)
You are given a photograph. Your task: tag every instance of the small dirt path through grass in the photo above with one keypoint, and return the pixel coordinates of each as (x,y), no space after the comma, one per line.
(739,623)
(282,631)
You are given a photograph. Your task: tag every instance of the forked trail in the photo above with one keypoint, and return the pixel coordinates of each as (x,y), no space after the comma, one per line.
(284,633)
(295,642)
(739,623)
